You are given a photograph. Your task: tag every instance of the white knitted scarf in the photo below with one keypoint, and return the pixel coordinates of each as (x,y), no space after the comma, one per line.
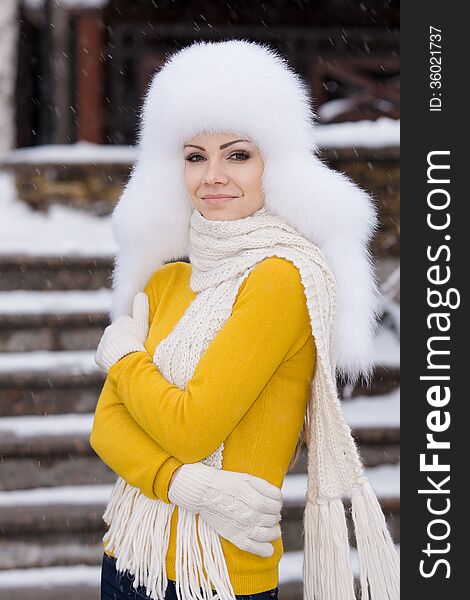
(222,255)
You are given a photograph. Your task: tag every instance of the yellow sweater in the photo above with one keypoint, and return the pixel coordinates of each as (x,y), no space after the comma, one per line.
(249,390)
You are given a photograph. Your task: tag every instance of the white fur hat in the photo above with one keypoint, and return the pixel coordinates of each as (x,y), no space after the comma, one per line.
(246,88)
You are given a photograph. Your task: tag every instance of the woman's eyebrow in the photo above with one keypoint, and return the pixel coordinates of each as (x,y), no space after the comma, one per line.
(220,147)
(230,143)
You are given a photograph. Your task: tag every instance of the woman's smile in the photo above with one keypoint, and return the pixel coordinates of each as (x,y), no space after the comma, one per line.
(217,198)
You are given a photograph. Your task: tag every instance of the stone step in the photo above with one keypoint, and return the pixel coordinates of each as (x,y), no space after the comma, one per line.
(51,393)
(45,392)
(51,527)
(50,551)
(46,383)
(81,272)
(67,328)
(47,450)
(40,383)
(95,185)
(71,517)
(70,319)
(35,272)
(68,459)
(27,333)
(81,580)
(56,320)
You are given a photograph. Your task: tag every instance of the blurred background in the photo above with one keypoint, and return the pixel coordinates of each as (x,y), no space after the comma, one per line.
(72,77)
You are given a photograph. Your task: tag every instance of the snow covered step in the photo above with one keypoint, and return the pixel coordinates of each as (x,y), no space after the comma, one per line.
(40,383)
(53,449)
(384,380)
(35,553)
(57,320)
(49,451)
(73,582)
(81,267)
(42,362)
(51,461)
(43,382)
(60,304)
(375,421)
(365,415)
(52,526)
(83,581)
(70,518)
(373,412)
(76,582)
(290,574)
(375,424)
(63,272)
(68,459)
(385,480)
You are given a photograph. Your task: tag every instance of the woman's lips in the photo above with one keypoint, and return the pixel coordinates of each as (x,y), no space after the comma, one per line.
(217,199)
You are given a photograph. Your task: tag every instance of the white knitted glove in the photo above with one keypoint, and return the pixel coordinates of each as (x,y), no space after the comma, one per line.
(125,335)
(242,508)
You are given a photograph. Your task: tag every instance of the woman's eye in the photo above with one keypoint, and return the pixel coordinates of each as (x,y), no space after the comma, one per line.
(241,155)
(237,156)
(193,157)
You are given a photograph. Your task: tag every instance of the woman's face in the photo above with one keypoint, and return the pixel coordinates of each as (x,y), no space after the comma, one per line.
(223,174)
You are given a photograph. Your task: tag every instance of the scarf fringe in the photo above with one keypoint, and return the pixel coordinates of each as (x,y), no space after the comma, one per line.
(139,535)
(327,571)
(378,558)
(196,573)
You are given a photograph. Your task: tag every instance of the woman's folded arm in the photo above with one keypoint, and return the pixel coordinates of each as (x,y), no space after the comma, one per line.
(269,318)
(122,444)
(127,449)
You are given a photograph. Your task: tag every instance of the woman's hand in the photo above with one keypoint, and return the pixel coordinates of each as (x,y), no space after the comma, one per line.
(125,335)
(242,508)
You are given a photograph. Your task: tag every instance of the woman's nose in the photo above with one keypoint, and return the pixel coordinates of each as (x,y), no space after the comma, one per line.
(215,173)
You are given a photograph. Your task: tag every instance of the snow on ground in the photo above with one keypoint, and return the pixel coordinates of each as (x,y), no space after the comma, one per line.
(373,411)
(62,231)
(290,565)
(383,132)
(65,362)
(290,569)
(25,302)
(82,361)
(34,425)
(67,494)
(51,577)
(366,411)
(385,480)
(68,3)
(67,231)
(387,348)
(78,153)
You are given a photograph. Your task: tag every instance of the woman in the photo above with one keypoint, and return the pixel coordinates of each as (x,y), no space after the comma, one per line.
(244,343)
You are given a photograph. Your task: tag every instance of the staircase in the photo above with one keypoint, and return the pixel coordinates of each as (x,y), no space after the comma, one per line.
(53,488)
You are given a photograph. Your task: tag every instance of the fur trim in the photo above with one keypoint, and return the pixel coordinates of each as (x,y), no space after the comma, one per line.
(261,97)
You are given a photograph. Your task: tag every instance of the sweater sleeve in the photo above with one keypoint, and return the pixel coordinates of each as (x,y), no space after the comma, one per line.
(269,319)
(127,449)
(124,446)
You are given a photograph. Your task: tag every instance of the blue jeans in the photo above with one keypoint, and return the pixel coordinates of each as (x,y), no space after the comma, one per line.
(118,586)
